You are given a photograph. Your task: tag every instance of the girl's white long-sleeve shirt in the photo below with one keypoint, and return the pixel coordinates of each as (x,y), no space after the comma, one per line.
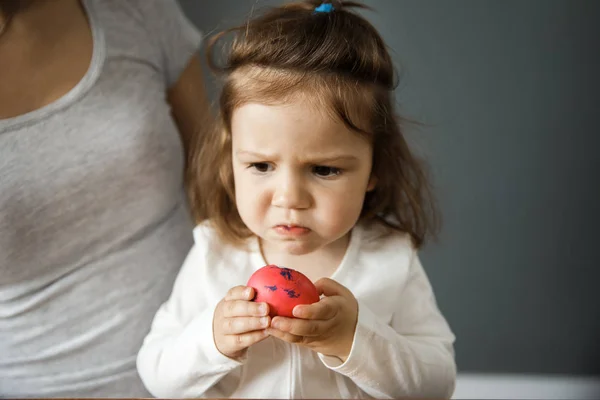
(402,347)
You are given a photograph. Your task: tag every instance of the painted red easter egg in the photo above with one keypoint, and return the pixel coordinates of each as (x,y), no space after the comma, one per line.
(282,289)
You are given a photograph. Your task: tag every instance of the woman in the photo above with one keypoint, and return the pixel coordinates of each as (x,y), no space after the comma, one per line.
(93,219)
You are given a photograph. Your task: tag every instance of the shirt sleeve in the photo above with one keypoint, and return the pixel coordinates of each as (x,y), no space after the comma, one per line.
(177,37)
(413,356)
(179,358)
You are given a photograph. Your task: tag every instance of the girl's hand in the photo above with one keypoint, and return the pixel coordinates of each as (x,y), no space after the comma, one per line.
(327,326)
(238,322)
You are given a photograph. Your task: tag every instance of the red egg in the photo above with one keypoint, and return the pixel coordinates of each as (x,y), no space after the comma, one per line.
(282,289)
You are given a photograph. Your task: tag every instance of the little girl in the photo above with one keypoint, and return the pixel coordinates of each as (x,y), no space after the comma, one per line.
(308,170)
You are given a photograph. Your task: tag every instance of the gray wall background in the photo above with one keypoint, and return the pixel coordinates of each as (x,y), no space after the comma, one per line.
(510,95)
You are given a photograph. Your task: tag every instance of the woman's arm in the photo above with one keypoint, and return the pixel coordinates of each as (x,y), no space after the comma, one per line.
(190,105)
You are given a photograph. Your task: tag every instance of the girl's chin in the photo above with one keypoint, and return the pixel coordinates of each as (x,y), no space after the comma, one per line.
(291,247)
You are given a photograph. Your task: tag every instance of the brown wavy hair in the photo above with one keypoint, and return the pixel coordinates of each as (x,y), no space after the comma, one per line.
(340,62)
(11,7)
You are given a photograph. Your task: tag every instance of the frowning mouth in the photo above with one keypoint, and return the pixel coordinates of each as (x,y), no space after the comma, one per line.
(291,230)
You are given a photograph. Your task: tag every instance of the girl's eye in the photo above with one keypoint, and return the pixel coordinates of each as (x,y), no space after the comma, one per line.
(326,172)
(260,167)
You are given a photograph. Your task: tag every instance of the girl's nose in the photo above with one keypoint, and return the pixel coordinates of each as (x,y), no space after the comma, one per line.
(291,193)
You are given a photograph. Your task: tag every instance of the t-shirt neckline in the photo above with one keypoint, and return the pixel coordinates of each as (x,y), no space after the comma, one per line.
(77,91)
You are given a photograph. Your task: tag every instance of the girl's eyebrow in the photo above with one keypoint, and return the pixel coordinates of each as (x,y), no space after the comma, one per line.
(319,158)
(335,157)
(251,154)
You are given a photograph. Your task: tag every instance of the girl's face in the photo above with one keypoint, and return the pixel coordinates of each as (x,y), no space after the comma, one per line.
(300,176)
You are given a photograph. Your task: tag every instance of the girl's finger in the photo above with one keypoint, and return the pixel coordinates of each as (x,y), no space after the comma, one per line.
(329,287)
(238,325)
(301,327)
(325,309)
(285,336)
(240,293)
(245,340)
(244,308)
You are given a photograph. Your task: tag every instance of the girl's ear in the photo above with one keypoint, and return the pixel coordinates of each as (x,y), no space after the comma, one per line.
(372,183)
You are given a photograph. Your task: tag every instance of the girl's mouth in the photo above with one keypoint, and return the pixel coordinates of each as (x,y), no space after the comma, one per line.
(291,230)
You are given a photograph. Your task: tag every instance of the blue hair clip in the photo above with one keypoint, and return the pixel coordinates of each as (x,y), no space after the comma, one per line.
(324,8)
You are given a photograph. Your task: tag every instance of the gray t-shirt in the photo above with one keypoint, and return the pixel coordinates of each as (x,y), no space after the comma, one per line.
(94,224)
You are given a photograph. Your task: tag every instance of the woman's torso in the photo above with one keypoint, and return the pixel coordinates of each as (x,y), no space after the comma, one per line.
(93,221)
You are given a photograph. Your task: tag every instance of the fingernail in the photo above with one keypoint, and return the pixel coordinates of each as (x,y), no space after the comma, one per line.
(275,324)
(264,321)
(262,308)
(247,292)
